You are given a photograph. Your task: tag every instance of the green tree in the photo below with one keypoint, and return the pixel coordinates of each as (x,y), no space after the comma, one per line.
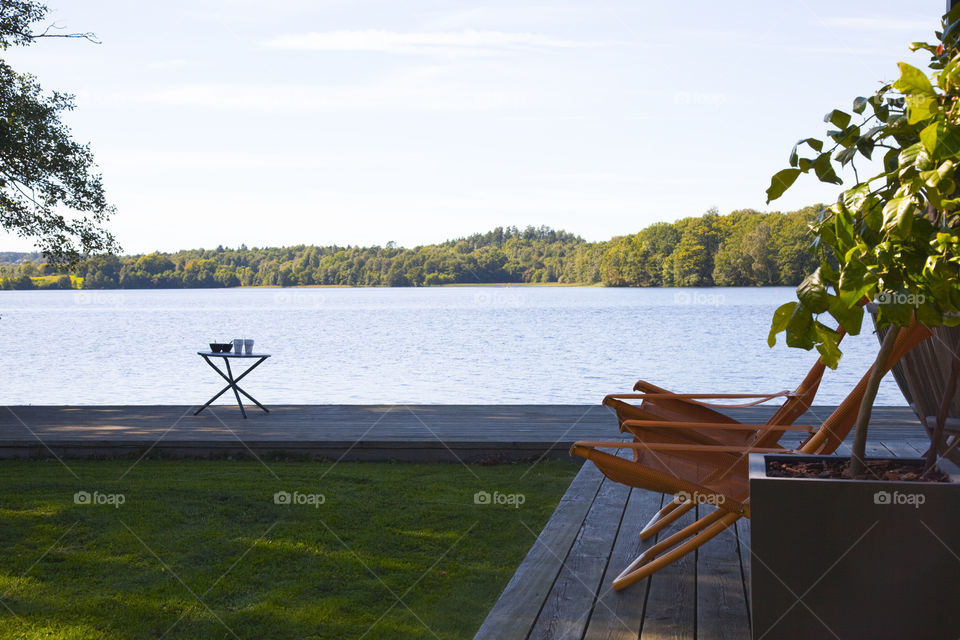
(693,256)
(43,171)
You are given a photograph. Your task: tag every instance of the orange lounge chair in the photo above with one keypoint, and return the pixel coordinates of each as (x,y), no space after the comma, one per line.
(672,457)
(689,409)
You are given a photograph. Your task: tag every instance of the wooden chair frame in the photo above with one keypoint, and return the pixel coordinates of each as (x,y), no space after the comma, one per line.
(700,443)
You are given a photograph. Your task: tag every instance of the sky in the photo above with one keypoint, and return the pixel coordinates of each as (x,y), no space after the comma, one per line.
(357,122)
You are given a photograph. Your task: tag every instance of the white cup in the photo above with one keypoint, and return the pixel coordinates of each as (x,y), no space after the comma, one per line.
(248,346)
(237,346)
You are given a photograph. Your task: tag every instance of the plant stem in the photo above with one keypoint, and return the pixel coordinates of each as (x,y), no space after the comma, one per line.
(857,465)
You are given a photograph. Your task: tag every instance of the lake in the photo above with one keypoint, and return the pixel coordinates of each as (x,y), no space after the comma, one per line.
(472,345)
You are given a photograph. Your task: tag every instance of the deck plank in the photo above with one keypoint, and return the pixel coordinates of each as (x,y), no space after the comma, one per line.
(721,601)
(671,601)
(618,615)
(516,611)
(567,607)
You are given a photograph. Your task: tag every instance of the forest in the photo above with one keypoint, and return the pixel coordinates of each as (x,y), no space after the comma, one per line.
(742,248)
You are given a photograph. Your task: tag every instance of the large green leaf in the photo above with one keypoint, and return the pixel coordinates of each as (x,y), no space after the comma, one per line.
(813,294)
(800,331)
(850,317)
(920,107)
(912,80)
(824,169)
(898,216)
(941,140)
(780,319)
(780,182)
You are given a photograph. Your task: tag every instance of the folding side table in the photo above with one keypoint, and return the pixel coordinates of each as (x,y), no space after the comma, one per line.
(228,376)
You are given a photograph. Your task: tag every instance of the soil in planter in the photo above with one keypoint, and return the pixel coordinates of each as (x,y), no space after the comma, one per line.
(893,470)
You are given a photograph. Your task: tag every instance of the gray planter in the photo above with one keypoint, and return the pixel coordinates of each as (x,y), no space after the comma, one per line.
(853,559)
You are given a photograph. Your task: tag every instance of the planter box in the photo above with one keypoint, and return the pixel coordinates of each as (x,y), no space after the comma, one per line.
(853,558)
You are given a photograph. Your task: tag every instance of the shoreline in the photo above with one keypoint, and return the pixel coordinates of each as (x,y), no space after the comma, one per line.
(502,285)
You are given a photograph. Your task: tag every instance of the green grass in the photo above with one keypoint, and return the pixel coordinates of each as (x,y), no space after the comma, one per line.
(199,549)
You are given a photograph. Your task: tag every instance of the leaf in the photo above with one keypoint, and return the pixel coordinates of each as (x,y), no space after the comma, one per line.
(855,283)
(914,156)
(828,345)
(865,146)
(915,46)
(846,155)
(843,225)
(890,160)
(816,145)
(813,294)
(898,216)
(800,331)
(941,140)
(780,182)
(780,319)
(824,169)
(900,314)
(933,177)
(921,107)
(838,118)
(859,104)
(848,317)
(927,315)
(872,214)
(912,81)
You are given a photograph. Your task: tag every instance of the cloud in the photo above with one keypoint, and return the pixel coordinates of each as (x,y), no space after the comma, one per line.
(882,24)
(397,96)
(467,42)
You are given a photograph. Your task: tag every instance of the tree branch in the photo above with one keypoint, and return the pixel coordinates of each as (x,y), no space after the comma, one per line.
(89,35)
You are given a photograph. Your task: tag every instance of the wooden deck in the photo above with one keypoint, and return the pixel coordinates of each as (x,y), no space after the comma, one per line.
(562,589)
(348,432)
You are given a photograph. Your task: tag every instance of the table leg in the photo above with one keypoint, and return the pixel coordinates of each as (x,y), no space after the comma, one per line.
(233,384)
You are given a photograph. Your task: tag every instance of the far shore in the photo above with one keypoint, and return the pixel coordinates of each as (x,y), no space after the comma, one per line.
(597,285)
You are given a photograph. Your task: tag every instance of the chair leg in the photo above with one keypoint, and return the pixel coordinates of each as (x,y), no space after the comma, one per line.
(669,514)
(701,531)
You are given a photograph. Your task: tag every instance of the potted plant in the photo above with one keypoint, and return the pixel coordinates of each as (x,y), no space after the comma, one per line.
(872,553)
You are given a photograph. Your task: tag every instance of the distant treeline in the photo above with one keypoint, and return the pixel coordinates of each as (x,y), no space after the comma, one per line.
(743,248)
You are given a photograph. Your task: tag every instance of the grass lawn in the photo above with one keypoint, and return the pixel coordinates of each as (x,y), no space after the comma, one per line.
(201,549)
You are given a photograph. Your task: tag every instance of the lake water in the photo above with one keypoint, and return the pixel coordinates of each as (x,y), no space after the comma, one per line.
(473,345)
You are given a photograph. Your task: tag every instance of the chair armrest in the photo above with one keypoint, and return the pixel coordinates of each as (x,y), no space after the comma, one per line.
(718,426)
(694,398)
(664,446)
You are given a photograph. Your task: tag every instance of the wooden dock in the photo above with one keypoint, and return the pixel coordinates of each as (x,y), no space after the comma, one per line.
(422,433)
(562,590)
